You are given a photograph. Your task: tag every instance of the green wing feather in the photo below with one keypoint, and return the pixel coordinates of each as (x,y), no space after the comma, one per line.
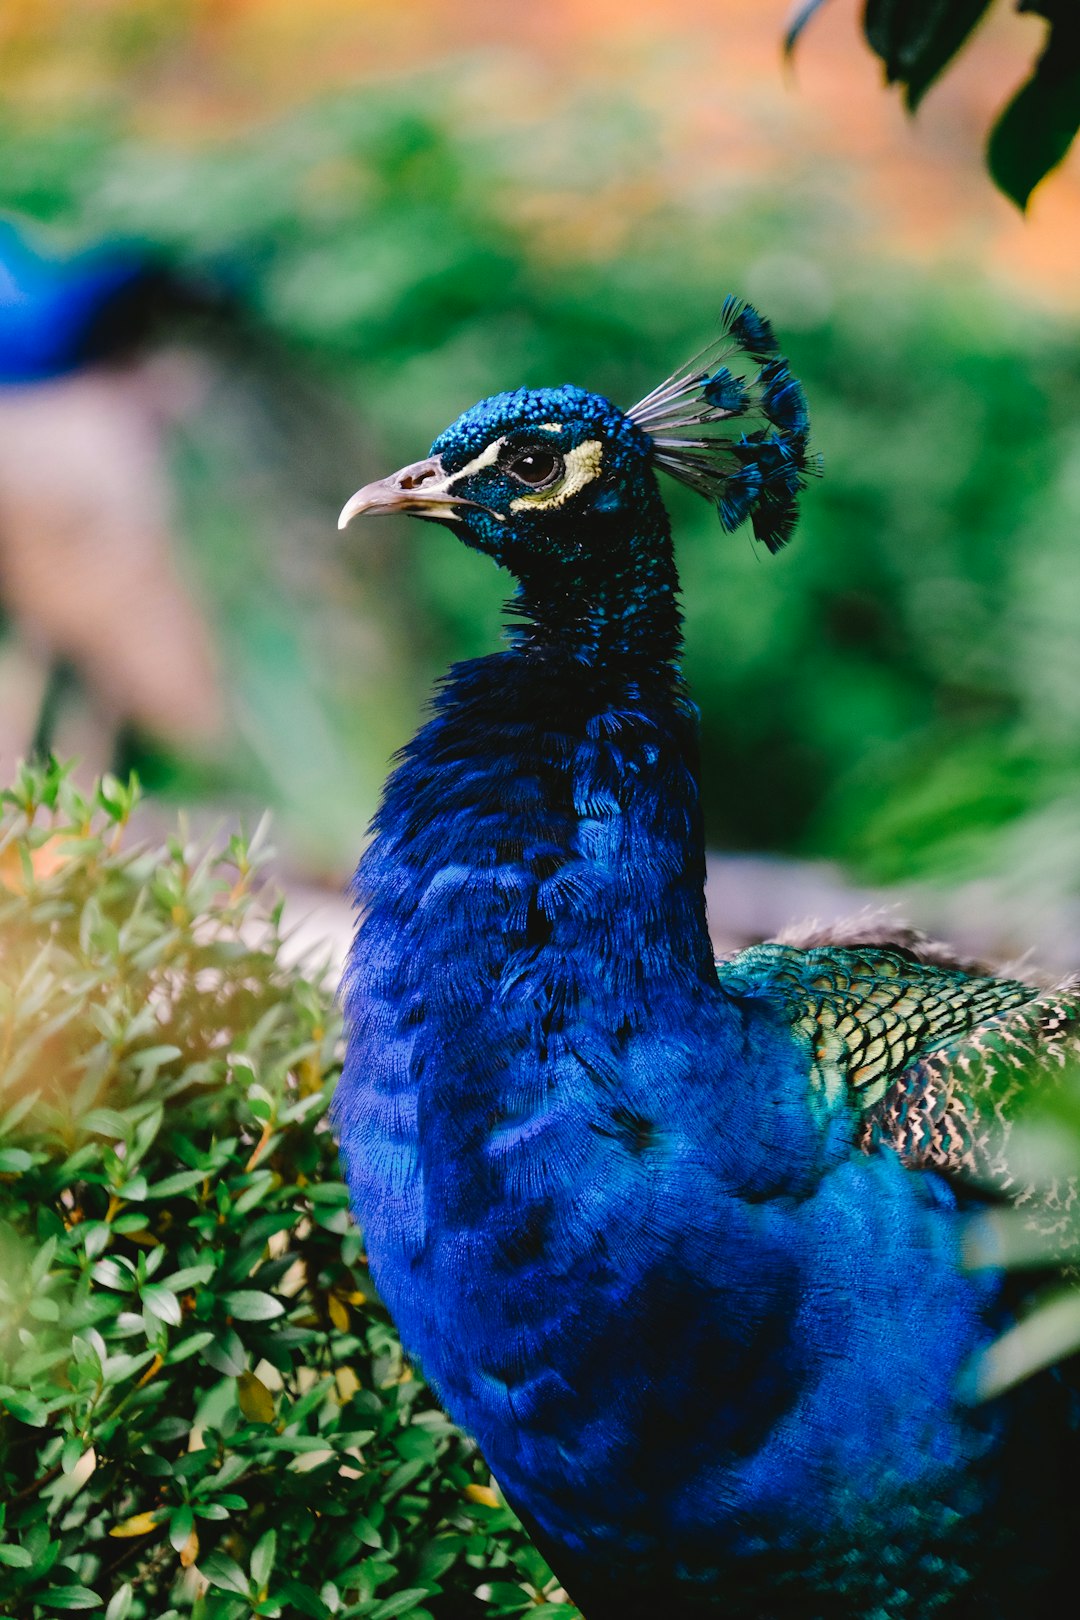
(935,1055)
(955,1108)
(867,1012)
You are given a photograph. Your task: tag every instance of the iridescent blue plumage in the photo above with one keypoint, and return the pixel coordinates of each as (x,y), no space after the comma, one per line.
(52,311)
(617,1202)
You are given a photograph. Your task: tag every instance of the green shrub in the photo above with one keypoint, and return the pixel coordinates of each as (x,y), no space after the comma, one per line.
(203,1411)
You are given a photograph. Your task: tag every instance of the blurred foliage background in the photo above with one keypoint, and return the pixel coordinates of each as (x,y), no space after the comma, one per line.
(388,214)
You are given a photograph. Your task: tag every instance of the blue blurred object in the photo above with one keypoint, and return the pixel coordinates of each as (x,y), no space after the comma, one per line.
(57,314)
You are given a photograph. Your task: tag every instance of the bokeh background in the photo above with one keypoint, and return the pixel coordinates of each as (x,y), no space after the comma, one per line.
(331,225)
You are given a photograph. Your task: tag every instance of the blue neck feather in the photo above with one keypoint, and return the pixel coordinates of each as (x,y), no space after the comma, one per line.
(612,604)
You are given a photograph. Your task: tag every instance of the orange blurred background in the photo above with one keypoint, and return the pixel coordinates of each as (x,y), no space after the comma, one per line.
(728,111)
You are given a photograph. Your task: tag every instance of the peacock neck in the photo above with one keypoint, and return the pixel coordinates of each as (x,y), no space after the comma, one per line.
(610,605)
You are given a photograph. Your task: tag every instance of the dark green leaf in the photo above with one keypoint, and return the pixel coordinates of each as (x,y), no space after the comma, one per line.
(180,1527)
(400,1603)
(1037,128)
(952,27)
(162,1303)
(120,1603)
(900,30)
(250,1305)
(226,1353)
(171,1186)
(222,1571)
(262,1559)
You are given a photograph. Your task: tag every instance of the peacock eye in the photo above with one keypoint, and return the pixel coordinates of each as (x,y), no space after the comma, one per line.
(537,468)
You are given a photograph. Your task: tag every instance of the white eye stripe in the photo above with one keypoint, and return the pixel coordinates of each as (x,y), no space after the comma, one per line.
(486,458)
(583,464)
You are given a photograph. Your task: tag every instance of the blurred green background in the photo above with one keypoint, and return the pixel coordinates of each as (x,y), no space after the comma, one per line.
(398,213)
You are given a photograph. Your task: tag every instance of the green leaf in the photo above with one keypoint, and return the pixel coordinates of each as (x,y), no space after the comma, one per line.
(171,1186)
(111,1273)
(915,39)
(189,1277)
(1038,126)
(14,1556)
(42,1263)
(249,1305)
(180,1527)
(400,1603)
(120,1603)
(222,1571)
(162,1303)
(190,1346)
(226,1353)
(506,1593)
(27,1408)
(304,1601)
(71,1597)
(74,1446)
(262,1559)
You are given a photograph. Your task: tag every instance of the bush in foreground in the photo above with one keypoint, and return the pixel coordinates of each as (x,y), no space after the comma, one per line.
(203,1411)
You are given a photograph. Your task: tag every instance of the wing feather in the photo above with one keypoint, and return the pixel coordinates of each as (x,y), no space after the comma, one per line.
(868,1012)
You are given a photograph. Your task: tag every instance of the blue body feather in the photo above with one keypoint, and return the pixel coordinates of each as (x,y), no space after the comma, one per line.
(710,1350)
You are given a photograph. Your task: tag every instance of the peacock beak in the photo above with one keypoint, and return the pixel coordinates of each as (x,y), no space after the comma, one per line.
(421,488)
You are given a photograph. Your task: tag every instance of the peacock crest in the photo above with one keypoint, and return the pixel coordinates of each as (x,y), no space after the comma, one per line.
(733,424)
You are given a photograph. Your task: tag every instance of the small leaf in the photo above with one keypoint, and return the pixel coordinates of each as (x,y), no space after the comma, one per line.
(262,1559)
(400,1603)
(14,1556)
(120,1603)
(189,1277)
(254,1399)
(110,1273)
(162,1303)
(27,1408)
(141,1524)
(183,1181)
(304,1601)
(71,1597)
(482,1494)
(249,1305)
(226,1353)
(221,1570)
(180,1527)
(74,1446)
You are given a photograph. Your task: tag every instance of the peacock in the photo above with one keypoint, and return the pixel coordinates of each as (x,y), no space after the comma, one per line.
(685,1245)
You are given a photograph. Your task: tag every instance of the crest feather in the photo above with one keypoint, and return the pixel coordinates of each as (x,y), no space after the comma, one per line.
(737,436)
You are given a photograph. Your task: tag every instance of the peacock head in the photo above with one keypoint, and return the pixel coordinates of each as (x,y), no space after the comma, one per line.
(548,474)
